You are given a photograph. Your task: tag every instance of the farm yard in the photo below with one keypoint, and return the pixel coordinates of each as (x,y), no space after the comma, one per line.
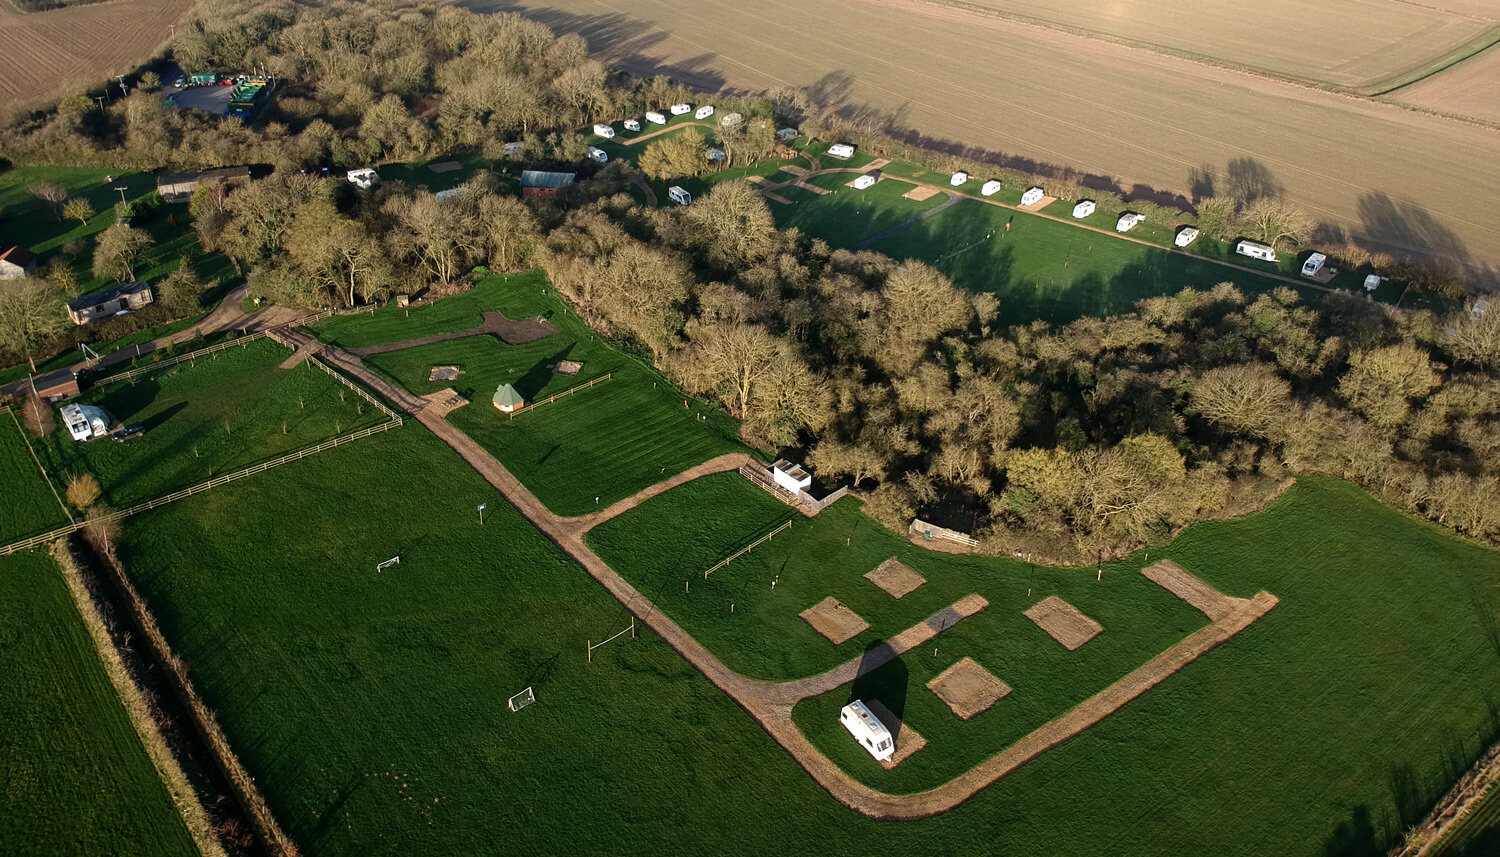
(30,507)
(42,53)
(1143,121)
(207,418)
(609,441)
(77,780)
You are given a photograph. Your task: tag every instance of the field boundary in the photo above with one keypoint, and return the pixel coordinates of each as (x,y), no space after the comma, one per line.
(1429,836)
(241,341)
(26,440)
(568,392)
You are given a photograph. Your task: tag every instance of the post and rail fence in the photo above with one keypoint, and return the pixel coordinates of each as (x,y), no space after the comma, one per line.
(568,392)
(747,548)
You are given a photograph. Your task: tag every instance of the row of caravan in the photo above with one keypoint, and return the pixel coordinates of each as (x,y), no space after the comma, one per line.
(655,117)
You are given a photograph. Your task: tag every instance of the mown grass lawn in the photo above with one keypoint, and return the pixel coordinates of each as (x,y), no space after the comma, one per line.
(393,323)
(845,217)
(29,507)
(76,778)
(609,441)
(207,418)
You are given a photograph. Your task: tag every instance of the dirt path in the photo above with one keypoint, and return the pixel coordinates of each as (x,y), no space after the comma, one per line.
(771,703)
(640,181)
(907,224)
(641,138)
(495,324)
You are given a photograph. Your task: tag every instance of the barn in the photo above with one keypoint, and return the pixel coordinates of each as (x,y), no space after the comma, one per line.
(61,384)
(180,187)
(537,184)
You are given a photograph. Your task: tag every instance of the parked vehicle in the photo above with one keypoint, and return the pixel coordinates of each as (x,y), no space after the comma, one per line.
(129,432)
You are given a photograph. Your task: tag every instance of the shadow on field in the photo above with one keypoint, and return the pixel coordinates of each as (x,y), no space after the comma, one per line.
(155,420)
(1355,837)
(885,682)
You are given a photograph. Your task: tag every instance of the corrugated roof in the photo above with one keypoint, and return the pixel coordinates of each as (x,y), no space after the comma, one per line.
(538,178)
(97,298)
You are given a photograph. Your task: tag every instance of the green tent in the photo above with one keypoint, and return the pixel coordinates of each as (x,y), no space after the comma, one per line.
(507,399)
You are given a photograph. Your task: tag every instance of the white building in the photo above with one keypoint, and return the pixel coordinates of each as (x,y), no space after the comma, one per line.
(787,134)
(958,178)
(363,179)
(791,476)
(604,131)
(865,181)
(655,118)
(679,109)
(1185,236)
(1128,221)
(1084,208)
(598,156)
(85,422)
(1314,265)
(868,730)
(1032,196)
(704,112)
(991,188)
(679,195)
(842,151)
(1256,250)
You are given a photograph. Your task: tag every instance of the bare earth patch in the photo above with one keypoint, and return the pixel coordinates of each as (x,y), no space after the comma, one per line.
(444,401)
(834,621)
(968,688)
(444,373)
(896,579)
(908,740)
(566,367)
(445,167)
(1173,578)
(921,192)
(1063,622)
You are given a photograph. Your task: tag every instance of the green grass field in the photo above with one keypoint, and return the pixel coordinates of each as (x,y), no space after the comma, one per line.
(392,323)
(846,217)
(29,506)
(609,441)
(205,420)
(76,778)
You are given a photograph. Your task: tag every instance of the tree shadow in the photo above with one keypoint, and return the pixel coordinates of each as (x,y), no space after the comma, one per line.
(1248,180)
(540,374)
(1355,837)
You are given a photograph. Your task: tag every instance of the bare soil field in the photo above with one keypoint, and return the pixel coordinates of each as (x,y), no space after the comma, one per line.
(835,621)
(1150,124)
(968,689)
(895,578)
(1471,88)
(42,53)
(1063,622)
(1357,45)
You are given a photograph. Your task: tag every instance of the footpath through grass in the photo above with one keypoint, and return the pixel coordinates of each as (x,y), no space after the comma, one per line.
(29,506)
(76,778)
(207,418)
(609,441)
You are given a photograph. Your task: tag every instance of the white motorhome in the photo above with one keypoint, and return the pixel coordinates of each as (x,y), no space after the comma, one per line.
(679,195)
(679,109)
(1256,250)
(597,155)
(1314,265)
(632,124)
(864,181)
(991,188)
(363,179)
(704,112)
(1185,236)
(85,422)
(842,151)
(1084,208)
(868,730)
(655,118)
(1128,221)
(604,131)
(958,178)
(1032,196)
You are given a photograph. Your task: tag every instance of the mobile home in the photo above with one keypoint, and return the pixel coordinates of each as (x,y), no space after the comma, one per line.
(1032,196)
(1185,236)
(679,195)
(868,730)
(1256,250)
(1084,208)
(991,188)
(604,131)
(679,109)
(85,422)
(704,112)
(787,134)
(363,179)
(655,118)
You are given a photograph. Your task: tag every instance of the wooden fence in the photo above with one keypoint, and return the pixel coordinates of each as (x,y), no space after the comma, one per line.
(746,549)
(241,341)
(568,392)
(933,531)
(338,376)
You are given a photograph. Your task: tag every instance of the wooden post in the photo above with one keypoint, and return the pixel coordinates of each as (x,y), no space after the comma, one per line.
(589,650)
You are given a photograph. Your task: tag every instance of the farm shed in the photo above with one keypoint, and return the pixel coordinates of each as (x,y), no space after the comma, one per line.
(704,112)
(1313,264)
(680,109)
(363,179)
(180,187)
(791,476)
(958,178)
(597,155)
(865,181)
(62,384)
(655,117)
(1032,196)
(990,188)
(1084,208)
(729,120)
(787,134)
(867,730)
(632,124)
(1256,250)
(604,130)
(16,262)
(109,302)
(536,184)
(679,195)
(1128,221)
(85,422)
(507,399)
(842,151)
(1185,236)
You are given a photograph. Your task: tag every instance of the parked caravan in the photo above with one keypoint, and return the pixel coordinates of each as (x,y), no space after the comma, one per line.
(1185,236)
(598,156)
(604,131)
(1084,208)
(865,181)
(679,109)
(991,188)
(867,730)
(632,124)
(1032,196)
(1128,221)
(958,178)
(704,112)
(1256,250)
(655,118)
(842,151)
(1314,265)
(679,195)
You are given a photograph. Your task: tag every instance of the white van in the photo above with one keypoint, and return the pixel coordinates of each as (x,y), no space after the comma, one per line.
(679,195)
(598,156)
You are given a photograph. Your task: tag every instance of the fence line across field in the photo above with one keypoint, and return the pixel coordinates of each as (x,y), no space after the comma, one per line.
(746,549)
(241,341)
(593,646)
(568,392)
(24,439)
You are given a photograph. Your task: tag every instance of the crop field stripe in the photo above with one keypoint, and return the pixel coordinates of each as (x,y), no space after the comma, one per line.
(41,471)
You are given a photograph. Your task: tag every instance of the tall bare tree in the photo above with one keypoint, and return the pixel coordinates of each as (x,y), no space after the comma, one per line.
(31,312)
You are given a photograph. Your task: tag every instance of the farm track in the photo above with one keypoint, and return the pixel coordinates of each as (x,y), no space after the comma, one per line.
(771,703)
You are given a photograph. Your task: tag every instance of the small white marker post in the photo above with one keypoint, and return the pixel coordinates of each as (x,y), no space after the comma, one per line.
(481,513)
